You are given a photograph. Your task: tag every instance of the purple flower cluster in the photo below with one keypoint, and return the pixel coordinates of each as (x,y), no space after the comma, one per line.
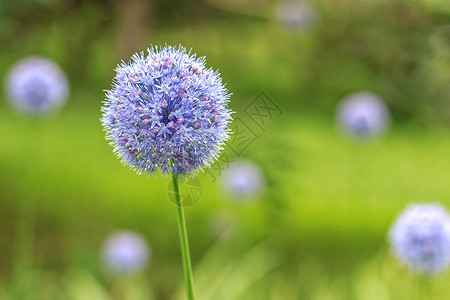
(167,111)
(420,238)
(36,86)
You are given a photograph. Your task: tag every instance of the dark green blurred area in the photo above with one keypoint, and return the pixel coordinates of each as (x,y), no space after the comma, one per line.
(329,202)
(394,48)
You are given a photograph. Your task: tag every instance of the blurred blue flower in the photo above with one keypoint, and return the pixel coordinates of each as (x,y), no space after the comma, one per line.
(243,179)
(296,15)
(420,238)
(167,111)
(125,252)
(363,115)
(36,86)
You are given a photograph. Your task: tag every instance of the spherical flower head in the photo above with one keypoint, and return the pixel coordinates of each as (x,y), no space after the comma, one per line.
(363,115)
(167,112)
(125,252)
(37,86)
(243,179)
(420,238)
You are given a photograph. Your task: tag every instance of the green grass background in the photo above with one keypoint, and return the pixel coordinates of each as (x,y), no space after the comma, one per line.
(320,229)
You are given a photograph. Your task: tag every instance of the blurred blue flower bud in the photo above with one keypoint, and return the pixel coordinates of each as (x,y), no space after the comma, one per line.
(36,86)
(363,115)
(420,238)
(243,179)
(125,252)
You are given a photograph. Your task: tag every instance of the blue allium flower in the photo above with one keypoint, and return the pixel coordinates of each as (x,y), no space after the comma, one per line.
(243,179)
(363,115)
(420,238)
(125,252)
(37,86)
(167,111)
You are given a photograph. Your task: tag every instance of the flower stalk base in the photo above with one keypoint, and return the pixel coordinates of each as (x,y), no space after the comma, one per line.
(184,241)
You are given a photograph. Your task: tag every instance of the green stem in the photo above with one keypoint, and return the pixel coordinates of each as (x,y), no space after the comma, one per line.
(184,241)
(26,211)
(424,287)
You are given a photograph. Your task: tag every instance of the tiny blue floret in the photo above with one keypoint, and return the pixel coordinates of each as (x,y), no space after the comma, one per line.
(420,238)
(167,112)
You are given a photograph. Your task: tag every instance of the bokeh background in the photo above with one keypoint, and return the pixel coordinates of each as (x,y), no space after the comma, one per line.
(317,231)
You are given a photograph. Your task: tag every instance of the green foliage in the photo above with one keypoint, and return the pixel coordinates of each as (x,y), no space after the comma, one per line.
(317,231)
